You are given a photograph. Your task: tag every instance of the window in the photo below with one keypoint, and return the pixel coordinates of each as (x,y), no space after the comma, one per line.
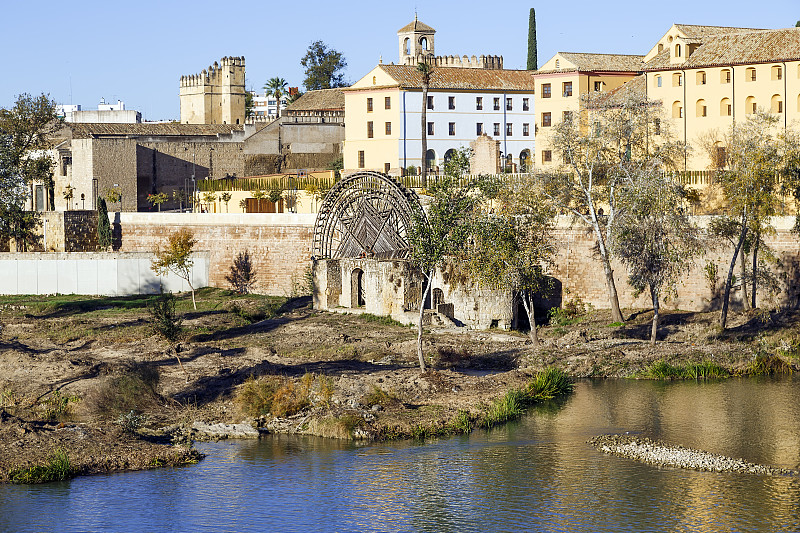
(369,105)
(777,73)
(546,120)
(720,158)
(479,128)
(497,104)
(658,81)
(750,74)
(677,109)
(451,102)
(558,63)
(701,108)
(509,105)
(776,104)
(657,126)
(430,102)
(725,76)
(725,107)
(526,129)
(479,103)
(598,86)
(677,80)
(750,105)
(701,77)
(370,132)
(388,128)
(567,89)
(545,90)
(361,159)
(525,104)
(430,128)
(567,116)
(509,130)
(387,167)
(451,128)
(387,102)
(496,129)
(547,156)
(677,50)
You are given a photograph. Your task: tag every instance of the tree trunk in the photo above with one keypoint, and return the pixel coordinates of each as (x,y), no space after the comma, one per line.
(528,304)
(743,267)
(654,330)
(754,285)
(723,318)
(419,323)
(191,287)
(424,125)
(616,312)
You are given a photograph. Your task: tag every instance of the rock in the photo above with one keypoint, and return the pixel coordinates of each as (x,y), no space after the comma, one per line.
(225,431)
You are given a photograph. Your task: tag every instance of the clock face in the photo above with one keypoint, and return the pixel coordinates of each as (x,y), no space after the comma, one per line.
(367,214)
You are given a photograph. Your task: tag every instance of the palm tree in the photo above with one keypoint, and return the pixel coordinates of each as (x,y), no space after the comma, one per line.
(276,87)
(426,70)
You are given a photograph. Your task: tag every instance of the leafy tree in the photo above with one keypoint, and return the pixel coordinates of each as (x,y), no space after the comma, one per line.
(336,165)
(533,58)
(653,236)
(601,148)
(249,104)
(176,257)
(113,196)
(179,195)
(426,71)
(512,248)
(226,197)
(69,193)
(323,66)
(157,199)
(103,225)
(243,204)
(209,198)
(443,232)
(276,87)
(242,275)
(275,194)
(258,194)
(756,157)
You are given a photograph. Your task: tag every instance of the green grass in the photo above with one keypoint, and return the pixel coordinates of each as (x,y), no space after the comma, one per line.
(382,320)
(57,468)
(703,370)
(546,385)
(767,365)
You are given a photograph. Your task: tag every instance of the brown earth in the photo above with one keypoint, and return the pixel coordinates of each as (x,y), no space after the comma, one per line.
(355,376)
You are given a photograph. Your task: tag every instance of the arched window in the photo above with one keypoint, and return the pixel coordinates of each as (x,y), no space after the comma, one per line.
(430,158)
(677,79)
(449,154)
(357,288)
(750,74)
(725,75)
(777,72)
(437,298)
(423,43)
(750,105)
(660,47)
(725,109)
(407,46)
(677,110)
(701,109)
(557,63)
(701,77)
(776,104)
(677,50)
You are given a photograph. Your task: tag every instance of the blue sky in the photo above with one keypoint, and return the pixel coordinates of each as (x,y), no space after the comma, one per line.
(81,51)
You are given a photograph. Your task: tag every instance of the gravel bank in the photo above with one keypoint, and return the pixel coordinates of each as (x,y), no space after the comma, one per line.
(657,453)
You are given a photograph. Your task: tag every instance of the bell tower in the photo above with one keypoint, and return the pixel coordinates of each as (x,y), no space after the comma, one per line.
(416,39)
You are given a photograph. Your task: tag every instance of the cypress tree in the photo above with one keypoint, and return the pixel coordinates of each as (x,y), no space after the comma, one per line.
(533,59)
(103,225)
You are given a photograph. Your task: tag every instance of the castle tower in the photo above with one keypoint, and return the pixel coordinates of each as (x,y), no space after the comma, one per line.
(216,95)
(415,38)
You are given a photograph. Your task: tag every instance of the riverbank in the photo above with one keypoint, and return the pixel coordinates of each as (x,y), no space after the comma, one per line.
(69,363)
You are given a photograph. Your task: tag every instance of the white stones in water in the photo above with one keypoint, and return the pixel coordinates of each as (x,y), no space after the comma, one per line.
(656,453)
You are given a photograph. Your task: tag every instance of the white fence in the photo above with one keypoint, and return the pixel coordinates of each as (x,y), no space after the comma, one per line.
(107,274)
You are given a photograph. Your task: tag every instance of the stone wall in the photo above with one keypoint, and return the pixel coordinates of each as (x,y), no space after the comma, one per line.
(485,157)
(69,231)
(279,244)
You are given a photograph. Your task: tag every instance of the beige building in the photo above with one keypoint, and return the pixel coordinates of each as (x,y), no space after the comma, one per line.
(216,95)
(567,77)
(705,77)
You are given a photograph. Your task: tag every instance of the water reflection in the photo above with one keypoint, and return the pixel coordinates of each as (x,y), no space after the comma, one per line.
(534,475)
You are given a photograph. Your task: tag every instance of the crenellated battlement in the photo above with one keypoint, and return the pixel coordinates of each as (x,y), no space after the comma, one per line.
(482,61)
(213,75)
(216,95)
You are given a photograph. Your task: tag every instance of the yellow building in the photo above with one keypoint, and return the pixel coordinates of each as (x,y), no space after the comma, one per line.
(564,79)
(708,77)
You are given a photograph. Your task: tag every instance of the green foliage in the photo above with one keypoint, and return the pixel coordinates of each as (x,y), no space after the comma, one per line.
(533,58)
(133,389)
(337,165)
(57,406)
(275,195)
(157,199)
(700,371)
(163,318)
(379,397)
(103,225)
(664,371)
(175,257)
(382,320)
(242,275)
(57,468)
(113,196)
(276,87)
(274,395)
(225,197)
(546,385)
(768,365)
(130,422)
(249,104)
(323,67)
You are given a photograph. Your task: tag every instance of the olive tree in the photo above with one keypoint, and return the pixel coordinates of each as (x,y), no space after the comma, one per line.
(598,145)
(653,236)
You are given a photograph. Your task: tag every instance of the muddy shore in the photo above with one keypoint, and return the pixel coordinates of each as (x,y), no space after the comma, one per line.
(64,361)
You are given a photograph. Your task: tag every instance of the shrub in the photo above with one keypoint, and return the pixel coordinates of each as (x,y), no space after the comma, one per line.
(163,319)
(548,384)
(705,370)
(379,397)
(57,406)
(57,468)
(133,390)
(242,275)
(768,365)
(272,395)
(663,370)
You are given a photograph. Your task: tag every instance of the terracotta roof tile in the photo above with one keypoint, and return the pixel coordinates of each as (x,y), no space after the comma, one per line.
(321,100)
(636,87)
(416,25)
(84,130)
(454,78)
(600,62)
(693,30)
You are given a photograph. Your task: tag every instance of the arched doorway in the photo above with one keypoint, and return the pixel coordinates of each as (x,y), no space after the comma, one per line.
(357,288)
(438,298)
(430,159)
(524,160)
(449,154)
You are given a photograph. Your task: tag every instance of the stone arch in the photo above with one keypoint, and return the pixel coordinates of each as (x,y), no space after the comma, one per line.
(449,154)
(357,288)
(366,214)
(725,108)
(677,109)
(407,46)
(776,104)
(423,44)
(525,160)
(437,297)
(750,105)
(430,158)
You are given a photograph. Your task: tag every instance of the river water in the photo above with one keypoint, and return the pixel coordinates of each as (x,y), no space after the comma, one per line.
(537,474)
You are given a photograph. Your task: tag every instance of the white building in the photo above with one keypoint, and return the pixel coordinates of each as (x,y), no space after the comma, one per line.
(267,106)
(105,113)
